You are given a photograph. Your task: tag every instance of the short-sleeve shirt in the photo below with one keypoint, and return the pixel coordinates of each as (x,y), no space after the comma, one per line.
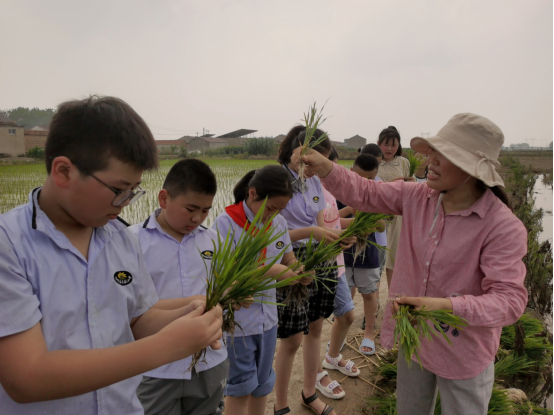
(80,303)
(331,217)
(259,317)
(178,270)
(381,237)
(302,209)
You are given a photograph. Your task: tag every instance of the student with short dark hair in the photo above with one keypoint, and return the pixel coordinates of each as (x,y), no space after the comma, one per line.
(251,375)
(79,322)
(176,247)
(363,273)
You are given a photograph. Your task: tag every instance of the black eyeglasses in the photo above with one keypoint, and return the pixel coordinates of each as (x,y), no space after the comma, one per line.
(121,196)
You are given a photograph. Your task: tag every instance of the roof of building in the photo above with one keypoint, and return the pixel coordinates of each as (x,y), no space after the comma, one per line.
(212,139)
(168,142)
(188,138)
(41,127)
(6,121)
(238,133)
(207,135)
(43,133)
(356,136)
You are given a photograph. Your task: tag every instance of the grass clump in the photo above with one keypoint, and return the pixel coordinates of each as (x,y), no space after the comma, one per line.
(409,336)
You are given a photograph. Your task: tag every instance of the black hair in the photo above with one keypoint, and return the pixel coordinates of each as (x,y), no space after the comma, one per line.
(190,175)
(91,131)
(269,181)
(372,149)
(333,155)
(390,133)
(295,138)
(497,191)
(366,162)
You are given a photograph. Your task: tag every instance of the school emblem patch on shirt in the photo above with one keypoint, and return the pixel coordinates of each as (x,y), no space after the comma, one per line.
(280,245)
(316,199)
(123,277)
(207,254)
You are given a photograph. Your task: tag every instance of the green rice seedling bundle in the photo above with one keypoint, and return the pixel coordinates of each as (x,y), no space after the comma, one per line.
(363,224)
(312,120)
(414,161)
(409,336)
(238,272)
(319,258)
(510,364)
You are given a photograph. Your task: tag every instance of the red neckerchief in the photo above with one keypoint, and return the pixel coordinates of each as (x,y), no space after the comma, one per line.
(237,213)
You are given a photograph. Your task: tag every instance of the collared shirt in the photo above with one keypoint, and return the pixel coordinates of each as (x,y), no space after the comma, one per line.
(380,237)
(302,209)
(80,303)
(259,317)
(474,257)
(178,270)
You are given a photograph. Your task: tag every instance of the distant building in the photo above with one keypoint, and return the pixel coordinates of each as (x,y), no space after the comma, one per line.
(35,138)
(355,142)
(338,143)
(520,146)
(170,146)
(204,143)
(280,138)
(12,138)
(550,145)
(238,137)
(41,127)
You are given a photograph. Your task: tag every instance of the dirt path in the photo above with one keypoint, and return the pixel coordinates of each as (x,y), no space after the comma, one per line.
(356,389)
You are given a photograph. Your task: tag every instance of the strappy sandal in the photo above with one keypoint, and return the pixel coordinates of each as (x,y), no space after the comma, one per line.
(327,391)
(333,363)
(283,411)
(307,401)
(370,344)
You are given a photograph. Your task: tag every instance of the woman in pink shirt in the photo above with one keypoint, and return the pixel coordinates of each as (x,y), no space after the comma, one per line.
(462,250)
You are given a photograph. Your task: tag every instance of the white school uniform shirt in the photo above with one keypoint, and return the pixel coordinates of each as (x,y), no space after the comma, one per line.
(178,270)
(302,209)
(81,304)
(380,237)
(258,317)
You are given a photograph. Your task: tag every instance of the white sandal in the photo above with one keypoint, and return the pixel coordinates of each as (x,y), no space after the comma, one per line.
(333,364)
(327,391)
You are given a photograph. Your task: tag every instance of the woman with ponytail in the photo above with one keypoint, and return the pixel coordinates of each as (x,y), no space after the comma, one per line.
(251,377)
(393,167)
(462,250)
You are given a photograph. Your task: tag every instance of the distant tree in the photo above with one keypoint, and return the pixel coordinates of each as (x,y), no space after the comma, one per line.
(260,146)
(173,148)
(36,153)
(183,152)
(29,118)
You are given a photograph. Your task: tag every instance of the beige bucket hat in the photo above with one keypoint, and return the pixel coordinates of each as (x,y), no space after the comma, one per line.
(470,142)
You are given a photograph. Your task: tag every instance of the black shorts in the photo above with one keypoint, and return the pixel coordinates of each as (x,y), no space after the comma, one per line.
(321,303)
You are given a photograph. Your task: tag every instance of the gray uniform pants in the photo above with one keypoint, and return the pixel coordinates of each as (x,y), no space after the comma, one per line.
(417,391)
(201,395)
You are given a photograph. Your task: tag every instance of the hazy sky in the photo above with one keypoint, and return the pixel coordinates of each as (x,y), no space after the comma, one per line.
(225,65)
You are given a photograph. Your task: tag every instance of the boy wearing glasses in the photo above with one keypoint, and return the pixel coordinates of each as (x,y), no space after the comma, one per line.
(75,293)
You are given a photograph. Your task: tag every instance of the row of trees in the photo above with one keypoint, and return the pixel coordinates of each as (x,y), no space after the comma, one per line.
(29,117)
